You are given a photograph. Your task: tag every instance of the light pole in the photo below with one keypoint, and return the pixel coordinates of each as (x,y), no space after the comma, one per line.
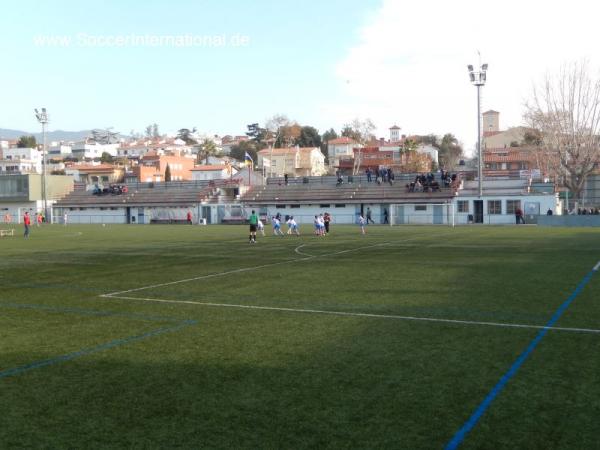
(42,118)
(478,78)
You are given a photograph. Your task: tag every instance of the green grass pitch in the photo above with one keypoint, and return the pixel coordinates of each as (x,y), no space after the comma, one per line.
(189,337)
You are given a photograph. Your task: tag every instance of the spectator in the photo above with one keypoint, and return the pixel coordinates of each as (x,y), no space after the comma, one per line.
(26,224)
(369,218)
(549,212)
(519,216)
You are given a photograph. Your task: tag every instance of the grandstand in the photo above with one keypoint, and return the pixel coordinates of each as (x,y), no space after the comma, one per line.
(138,200)
(326,190)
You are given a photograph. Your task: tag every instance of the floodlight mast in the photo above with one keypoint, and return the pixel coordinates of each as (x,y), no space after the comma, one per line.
(42,117)
(478,79)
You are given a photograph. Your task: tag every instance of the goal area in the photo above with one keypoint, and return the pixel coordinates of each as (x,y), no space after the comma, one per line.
(422,214)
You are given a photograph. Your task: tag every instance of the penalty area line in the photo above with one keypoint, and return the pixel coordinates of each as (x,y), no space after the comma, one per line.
(357,314)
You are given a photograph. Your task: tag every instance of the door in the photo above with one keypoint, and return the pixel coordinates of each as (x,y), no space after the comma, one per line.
(478,210)
(399,219)
(206,213)
(128,213)
(438,214)
(140,215)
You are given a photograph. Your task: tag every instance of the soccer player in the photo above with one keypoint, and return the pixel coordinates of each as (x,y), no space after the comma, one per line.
(253,224)
(326,220)
(362,221)
(261,227)
(293,226)
(276,226)
(321,225)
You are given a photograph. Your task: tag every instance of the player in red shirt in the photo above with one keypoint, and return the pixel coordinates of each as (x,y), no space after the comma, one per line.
(26,223)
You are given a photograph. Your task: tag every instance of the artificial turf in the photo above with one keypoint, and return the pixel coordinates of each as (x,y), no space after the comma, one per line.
(224,344)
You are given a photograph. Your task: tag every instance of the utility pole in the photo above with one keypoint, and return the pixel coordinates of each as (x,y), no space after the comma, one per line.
(42,118)
(478,79)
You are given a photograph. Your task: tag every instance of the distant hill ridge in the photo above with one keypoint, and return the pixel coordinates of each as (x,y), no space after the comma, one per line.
(56,135)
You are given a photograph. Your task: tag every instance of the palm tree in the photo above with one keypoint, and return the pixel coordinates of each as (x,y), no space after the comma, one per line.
(207,148)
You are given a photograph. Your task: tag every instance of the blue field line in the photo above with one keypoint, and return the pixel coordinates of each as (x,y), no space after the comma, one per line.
(179,324)
(460,435)
(88,351)
(92,312)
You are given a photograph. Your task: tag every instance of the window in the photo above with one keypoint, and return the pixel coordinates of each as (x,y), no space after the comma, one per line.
(420,207)
(294,206)
(340,205)
(512,205)
(462,206)
(494,207)
(279,206)
(324,205)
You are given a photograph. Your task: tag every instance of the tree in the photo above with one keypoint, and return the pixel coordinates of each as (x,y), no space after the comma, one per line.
(309,137)
(258,134)
(362,132)
(168,173)
(532,137)
(106,158)
(565,108)
(155,132)
(238,151)
(450,151)
(26,142)
(281,130)
(148,132)
(185,134)
(207,148)
(329,135)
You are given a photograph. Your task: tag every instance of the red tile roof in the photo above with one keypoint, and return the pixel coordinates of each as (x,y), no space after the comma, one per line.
(210,167)
(342,140)
(285,151)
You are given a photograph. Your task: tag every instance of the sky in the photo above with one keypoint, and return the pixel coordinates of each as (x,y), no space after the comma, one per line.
(220,65)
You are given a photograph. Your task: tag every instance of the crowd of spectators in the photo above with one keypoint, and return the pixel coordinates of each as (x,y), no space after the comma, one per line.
(114,189)
(428,183)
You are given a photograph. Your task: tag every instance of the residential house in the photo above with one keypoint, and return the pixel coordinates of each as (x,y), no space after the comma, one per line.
(213,172)
(513,162)
(21,160)
(152,167)
(294,161)
(494,138)
(340,148)
(95,174)
(89,149)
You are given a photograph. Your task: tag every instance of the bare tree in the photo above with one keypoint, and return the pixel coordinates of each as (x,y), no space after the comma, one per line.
(565,108)
(362,132)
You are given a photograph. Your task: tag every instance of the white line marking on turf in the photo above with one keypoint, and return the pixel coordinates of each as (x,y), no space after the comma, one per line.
(297,250)
(596,267)
(352,314)
(246,269)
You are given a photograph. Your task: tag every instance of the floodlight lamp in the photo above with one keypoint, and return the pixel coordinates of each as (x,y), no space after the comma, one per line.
(484,67)
(472,77)
(470,67)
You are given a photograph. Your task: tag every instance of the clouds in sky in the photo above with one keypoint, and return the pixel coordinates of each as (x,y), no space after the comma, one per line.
(410,64)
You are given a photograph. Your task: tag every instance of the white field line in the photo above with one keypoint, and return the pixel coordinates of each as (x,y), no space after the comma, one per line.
(297,250)
(352,314)
(596,267)
(243,269)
